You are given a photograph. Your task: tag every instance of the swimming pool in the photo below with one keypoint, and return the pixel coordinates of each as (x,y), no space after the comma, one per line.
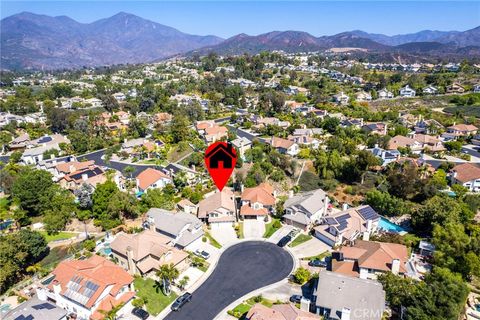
(388,226)
(106,250)
(5,308)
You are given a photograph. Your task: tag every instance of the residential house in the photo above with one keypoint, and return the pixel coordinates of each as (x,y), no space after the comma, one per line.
(184,229)
(476,88)
(145,252)
(407,92)
(123,117)
(91,175)
(368,259)
(202,125)
(348,225)
(218,208)
(403,142)
(140,148)
(187,206)
(385,94)
(293,90)
(285,146)
(379,128)
(429,126)
(387,156)
(341,98)
(36,308)
(459,130)
(65,168)
(467,175)
(162,118)
(455,88)
(152,179)
(215,133)
(241,144)
(257,202)
(306,208)
(279,312)
(430,90)
(36,148)
(363,96)
(19,142)
(352,122)
(340,297)
(430,143)
(174,169)
(119,96)
(84,287)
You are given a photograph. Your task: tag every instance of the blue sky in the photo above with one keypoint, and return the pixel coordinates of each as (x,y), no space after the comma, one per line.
(227,18)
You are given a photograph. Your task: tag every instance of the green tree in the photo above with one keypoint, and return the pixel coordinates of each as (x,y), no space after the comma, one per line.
(33,189)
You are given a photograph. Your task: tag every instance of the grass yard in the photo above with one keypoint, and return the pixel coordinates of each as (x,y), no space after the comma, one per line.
(212,241)
(240,310)
(174,154)
(156,300)
(301,238)
(271,227)
(58,254)
(60,236)
(321,256)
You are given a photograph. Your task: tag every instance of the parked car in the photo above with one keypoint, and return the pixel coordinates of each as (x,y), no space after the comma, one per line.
(295,298)
(317,263)
(294,232)
(140,313)
(284,241)
(202,254)
(186,297)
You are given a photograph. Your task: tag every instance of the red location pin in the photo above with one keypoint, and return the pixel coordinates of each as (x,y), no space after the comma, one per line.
(220,159)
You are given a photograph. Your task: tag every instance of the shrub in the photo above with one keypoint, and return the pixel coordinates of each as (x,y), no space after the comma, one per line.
(302,275)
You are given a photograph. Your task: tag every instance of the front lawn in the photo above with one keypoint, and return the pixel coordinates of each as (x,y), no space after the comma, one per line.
(152,293)
(243,308)
(60,236)
(271,227)
(301,238)
(212,241)
(321,256)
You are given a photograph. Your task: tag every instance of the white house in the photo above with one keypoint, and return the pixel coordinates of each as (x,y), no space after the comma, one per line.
(341,98)
(407,92)
(467,175)
(152,179)
(285,146)
(430,90)
(385,94)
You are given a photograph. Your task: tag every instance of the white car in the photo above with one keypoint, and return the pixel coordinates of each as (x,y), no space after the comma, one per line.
(202,254)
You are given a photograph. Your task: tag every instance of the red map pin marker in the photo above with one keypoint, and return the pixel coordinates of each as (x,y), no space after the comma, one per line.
(220,159)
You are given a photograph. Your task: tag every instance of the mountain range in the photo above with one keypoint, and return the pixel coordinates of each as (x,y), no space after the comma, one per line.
(32,41)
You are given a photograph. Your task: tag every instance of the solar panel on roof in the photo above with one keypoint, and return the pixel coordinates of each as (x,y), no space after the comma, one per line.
(22,317)
(41,306)
(368,213)
(45,139)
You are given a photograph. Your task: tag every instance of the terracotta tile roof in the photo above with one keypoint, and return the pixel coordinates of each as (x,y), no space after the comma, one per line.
(109,303)
(466,172)
(463,127)
(69,167)
(202,125)
(277,142)
(95,269)
(401,141)
(149,176)
(216,130)
(377,255)
(246,210)
(224,199)
(263,194)
(279,312)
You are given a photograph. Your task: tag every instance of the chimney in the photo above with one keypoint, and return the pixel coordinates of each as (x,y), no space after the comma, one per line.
(130,263)
(395,266)
(305,304)
(290,194)
(71,168)
(41,294)
(345,314)
(52,156)
(84,177)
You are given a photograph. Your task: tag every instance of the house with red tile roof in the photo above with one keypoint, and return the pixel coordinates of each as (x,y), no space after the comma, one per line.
(368,259)
(257,202)
(467,175)
(285,146)
(152,179)
(460,130)
(84,287)
(279,312)
(215,133)
(90,175)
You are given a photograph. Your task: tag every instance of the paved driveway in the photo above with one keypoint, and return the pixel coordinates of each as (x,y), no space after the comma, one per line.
(310,248)
(253,229)
(280,233)
(224,233)
(241,269)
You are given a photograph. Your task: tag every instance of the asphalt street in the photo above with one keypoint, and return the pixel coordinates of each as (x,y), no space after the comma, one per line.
(241,269)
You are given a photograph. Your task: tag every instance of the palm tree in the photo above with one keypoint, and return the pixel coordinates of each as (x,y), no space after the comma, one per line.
(112,313)
(168,272)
